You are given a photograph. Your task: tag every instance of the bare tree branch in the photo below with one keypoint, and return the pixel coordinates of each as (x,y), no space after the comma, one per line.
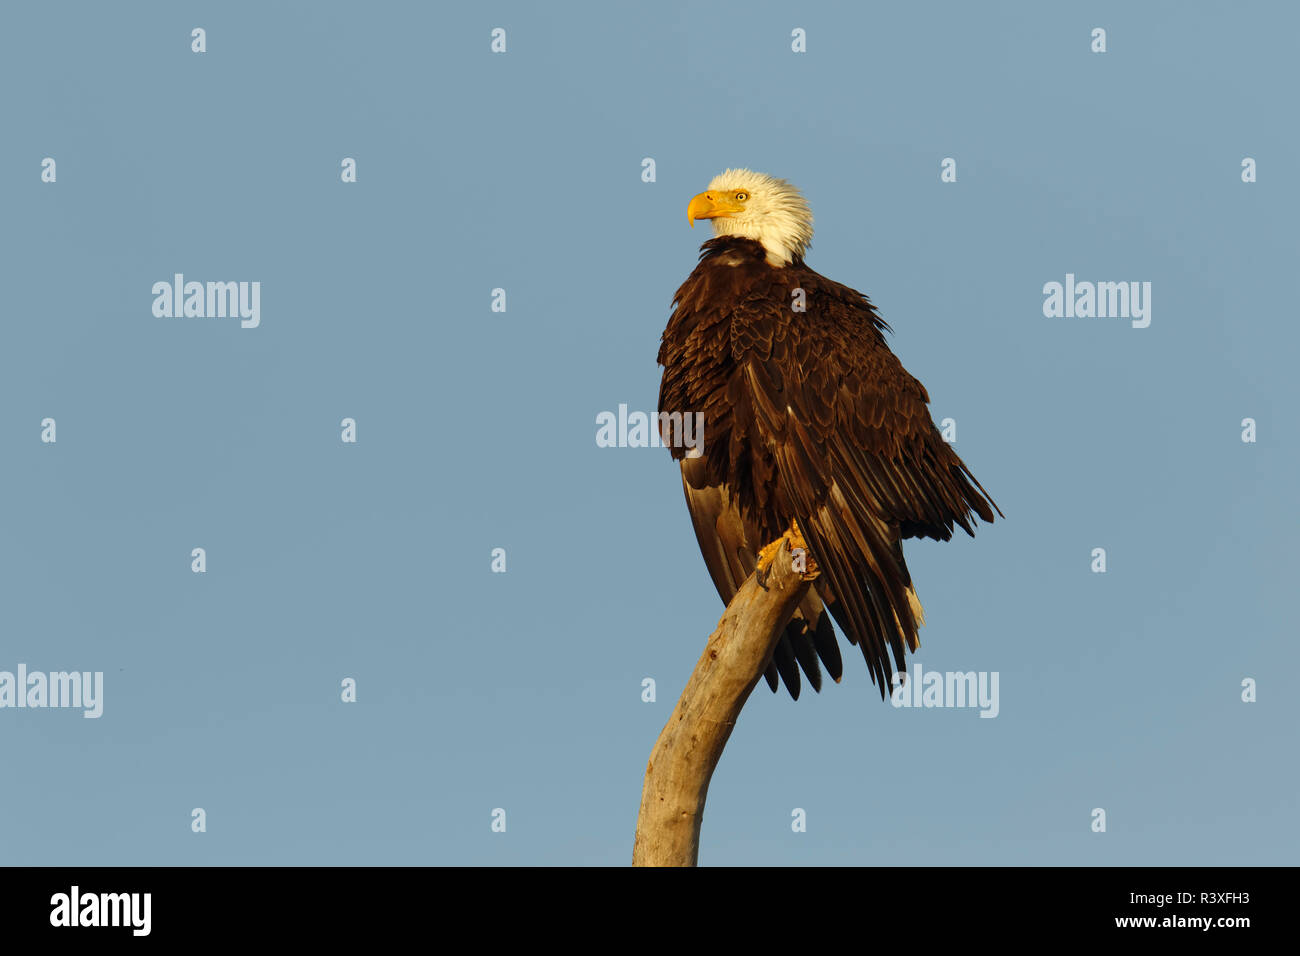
(682,762)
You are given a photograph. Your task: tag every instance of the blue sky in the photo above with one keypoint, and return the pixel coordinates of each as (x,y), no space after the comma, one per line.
(476,429)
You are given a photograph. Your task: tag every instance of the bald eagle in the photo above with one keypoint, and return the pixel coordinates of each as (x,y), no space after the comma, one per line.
(812,431)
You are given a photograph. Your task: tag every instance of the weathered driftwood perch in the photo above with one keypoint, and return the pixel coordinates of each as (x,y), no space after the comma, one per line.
(681,764)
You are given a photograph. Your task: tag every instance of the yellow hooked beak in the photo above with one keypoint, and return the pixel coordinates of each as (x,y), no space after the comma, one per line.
(711,205)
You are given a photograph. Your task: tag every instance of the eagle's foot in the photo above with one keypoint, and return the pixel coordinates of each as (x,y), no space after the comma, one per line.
(765,558)
(802,560)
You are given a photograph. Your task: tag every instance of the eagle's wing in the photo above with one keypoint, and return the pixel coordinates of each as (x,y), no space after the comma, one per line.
(730,549)
(860,462)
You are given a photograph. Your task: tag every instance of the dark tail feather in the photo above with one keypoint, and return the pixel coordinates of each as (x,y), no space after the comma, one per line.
(799,635)
(783,658)
(828,649)
(770,675)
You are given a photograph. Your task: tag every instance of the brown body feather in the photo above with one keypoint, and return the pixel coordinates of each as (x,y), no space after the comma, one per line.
(809,416)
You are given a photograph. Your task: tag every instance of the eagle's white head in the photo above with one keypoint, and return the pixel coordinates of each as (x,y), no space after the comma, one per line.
(744,203)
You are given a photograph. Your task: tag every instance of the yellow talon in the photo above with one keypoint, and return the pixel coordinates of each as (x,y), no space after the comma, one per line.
(767,556)
(803,562)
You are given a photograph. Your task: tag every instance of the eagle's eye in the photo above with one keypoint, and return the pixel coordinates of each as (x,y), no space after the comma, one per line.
(742,196)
